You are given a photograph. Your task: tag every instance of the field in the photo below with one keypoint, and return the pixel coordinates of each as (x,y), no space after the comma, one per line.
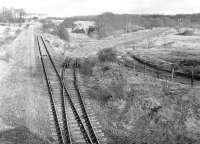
(170,47)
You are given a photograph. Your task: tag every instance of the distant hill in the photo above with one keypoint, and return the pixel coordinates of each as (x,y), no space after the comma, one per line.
(108,22)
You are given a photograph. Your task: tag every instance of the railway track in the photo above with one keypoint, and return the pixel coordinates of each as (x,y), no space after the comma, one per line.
(70,123)
(76,91)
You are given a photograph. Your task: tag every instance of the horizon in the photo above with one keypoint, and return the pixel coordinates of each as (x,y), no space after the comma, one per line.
(71,8)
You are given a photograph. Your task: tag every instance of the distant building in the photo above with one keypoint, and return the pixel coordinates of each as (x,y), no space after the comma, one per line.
(84,27)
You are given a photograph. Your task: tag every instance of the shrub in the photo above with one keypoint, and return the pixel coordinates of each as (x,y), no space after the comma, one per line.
(6,31)
(48,25)
(62,32)
(27,26)
(100,94)
(56,30)
(186,33)
(87,66)
(107,55)
(17,31)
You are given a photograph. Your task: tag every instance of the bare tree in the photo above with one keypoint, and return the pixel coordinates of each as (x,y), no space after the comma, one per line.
(12,15)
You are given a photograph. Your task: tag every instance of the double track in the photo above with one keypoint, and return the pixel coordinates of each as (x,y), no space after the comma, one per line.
(70,121)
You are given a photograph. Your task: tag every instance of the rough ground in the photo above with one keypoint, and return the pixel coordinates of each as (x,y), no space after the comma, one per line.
(124,101)
(22,99)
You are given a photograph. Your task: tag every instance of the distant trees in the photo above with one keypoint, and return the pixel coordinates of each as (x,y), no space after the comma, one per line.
(12,15)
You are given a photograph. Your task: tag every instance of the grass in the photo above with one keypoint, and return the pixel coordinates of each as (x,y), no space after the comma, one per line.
(149,111)
(20,135)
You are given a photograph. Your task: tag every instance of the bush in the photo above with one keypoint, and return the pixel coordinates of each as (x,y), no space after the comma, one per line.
(100,94)
(107,55)
(87,65)
(187,33)
(48,26)
(6,31)
(17,31)
(56,30)
(27,26)
(62,33)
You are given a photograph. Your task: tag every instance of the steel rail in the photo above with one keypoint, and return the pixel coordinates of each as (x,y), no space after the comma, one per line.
(66,127)
(86,117)
(58,129)
(77,117)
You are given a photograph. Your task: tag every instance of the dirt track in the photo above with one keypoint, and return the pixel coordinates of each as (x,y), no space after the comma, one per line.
(22,99)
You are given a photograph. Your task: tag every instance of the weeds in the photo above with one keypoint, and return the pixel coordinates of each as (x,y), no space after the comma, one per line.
(107,55)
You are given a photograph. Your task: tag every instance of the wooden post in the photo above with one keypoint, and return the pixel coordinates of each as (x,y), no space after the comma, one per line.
(157,74)
(172,73)
(192,77)
(134,66)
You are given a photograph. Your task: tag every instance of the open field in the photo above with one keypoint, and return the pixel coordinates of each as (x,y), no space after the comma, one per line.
(170,47)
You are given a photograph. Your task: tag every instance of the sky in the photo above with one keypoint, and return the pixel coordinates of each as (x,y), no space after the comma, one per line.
(67,8)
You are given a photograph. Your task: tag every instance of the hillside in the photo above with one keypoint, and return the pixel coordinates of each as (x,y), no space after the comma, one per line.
(108,23)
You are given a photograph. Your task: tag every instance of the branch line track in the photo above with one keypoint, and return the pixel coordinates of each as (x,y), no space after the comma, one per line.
(59,111)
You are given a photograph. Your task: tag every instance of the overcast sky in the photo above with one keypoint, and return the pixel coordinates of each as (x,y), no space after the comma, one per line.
(90,7)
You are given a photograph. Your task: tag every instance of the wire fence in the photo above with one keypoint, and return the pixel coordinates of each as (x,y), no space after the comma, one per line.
(157,74)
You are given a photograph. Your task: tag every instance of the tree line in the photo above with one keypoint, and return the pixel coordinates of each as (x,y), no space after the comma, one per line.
(12,15)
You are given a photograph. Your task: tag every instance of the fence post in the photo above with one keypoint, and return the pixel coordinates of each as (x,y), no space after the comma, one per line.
(144,69)
(172,74)
(134,66)
(192,78)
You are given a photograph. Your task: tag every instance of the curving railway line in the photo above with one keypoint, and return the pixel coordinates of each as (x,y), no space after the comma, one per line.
(72,118)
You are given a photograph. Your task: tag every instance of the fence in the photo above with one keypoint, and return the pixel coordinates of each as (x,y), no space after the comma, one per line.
(157,74)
